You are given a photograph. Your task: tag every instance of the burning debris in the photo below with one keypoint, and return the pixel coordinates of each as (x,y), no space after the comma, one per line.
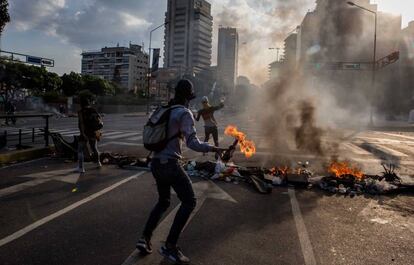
(345,178)
(349,180)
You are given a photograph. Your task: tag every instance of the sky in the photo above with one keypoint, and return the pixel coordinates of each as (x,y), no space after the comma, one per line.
(62,29)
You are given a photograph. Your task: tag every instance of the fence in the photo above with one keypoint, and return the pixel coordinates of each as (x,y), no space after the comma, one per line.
(23,137)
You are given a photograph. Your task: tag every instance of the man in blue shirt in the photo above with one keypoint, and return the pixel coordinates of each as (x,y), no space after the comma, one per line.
(169,173)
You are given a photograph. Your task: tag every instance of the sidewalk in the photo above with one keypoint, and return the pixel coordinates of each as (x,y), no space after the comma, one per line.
(8,156)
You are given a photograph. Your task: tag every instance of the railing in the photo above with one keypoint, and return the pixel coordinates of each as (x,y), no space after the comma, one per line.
(27,136)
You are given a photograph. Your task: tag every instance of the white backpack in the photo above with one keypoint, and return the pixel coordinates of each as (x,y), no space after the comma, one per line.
(155,135)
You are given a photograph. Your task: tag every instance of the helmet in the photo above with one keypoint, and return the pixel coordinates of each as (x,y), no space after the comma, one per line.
(204,99)
(184,90)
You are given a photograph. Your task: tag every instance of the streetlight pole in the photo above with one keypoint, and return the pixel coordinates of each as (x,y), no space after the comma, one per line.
(374,62)
(277,53)
(150,64)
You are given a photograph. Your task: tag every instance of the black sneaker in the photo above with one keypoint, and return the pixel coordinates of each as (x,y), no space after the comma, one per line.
(174,254)
(144,246)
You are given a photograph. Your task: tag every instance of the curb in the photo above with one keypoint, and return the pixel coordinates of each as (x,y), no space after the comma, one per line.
(23,155)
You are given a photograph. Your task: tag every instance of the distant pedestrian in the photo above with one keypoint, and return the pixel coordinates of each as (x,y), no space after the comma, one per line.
(210,123)
(62,109)
(169,173)
(10,111)
(90,125)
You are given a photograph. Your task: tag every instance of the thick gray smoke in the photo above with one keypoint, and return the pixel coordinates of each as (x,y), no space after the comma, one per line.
(261,24)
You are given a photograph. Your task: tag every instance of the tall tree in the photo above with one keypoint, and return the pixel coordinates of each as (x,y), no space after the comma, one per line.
(72,84)
(4,14)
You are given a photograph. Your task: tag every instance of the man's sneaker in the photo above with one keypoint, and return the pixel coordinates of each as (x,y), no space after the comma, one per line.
(80,170)
(99,164)
(144,246)
(174,254)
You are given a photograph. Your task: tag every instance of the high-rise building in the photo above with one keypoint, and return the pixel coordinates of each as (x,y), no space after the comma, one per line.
(227,59)
(188,36)
(126,66)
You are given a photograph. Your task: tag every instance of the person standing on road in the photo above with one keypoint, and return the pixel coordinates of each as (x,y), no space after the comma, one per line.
(210,123)
(90,124)
(168,173)
(11,110)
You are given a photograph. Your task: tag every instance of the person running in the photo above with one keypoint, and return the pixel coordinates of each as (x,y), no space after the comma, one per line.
(169,173)
(90,124)
(210,123)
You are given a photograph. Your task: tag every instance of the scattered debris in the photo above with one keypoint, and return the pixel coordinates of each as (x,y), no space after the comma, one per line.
(344,179)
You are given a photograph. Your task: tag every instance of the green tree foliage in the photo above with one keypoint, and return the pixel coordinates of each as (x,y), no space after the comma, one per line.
(39,82)
(4,14)
(71,84)
(97,85)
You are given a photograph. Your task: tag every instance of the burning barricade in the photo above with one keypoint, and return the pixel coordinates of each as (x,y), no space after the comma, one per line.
(342,177)
(349,180)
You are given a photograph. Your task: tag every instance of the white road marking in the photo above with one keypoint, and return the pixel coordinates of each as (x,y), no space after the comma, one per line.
(23,163)
(123,135)
(61,131)
(355,149)
(203,190)
(110,133)
(400,135)
(388,150)
(134,138)
(22,186)
(120,143)
(71,207)
(64,175)
(304,240)
(70,134)
(384,140)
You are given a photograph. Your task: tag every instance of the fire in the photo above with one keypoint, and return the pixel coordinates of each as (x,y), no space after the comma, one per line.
(341,169)
(280,170)
(247,147)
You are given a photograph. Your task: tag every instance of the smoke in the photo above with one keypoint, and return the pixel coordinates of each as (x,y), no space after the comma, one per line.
(305,105)
(261,25)
(289,121)
(307,136)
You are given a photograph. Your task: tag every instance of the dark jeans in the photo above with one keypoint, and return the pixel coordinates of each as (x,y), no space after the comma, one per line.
(213,131)
(93,144)
(171,174)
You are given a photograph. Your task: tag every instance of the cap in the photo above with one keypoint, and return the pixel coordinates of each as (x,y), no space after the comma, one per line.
(185,89)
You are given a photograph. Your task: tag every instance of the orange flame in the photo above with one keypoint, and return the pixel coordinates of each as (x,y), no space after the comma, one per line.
(280,170)
(341,169)
(247,147)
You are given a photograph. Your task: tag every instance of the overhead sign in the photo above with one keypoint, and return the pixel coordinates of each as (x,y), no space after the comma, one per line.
(351,66)
(387,60)
(25,58)
(40,61)
(48,62)
(34,60)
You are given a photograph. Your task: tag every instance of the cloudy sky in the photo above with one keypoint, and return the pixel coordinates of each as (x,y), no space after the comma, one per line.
(62,29)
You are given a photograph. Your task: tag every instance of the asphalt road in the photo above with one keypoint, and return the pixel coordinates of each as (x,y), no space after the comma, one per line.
(50,215)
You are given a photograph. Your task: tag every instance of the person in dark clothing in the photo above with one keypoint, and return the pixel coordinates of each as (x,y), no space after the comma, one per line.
(89,122)
(210,123)
(168,173)
(10,110)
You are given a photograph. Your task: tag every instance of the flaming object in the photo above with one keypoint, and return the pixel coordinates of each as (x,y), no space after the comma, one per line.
(247,147)
(342,169)
(280,171)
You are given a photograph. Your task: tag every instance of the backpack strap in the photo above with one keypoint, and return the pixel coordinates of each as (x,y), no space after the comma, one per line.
(170,110)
